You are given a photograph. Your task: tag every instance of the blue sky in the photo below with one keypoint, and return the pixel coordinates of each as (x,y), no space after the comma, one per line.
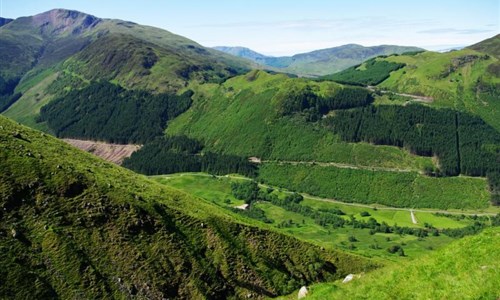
(284,27)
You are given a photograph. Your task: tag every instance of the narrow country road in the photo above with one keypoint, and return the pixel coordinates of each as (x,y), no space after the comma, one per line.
(415,98)
(413,219)
(338,165)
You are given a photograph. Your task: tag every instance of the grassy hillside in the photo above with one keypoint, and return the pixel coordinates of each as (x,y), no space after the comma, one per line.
(243,116)
(74,48)
(465,80)
(79,227)
(319,62)
(467,269)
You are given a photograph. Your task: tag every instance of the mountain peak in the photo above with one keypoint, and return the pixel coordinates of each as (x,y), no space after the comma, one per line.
(58,21)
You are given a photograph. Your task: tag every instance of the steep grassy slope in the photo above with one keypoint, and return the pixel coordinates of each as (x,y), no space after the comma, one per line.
(243,116)
(319,62)
(73,48)
(73,226)
(467,269)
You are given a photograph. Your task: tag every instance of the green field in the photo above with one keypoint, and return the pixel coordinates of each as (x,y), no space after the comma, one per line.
(217,189)
(399,189)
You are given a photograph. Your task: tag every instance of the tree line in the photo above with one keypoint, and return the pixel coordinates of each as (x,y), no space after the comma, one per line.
(374,72)
(104,111)
(250,192)
(304,100)
(463,143)
(166,155)
(7,95)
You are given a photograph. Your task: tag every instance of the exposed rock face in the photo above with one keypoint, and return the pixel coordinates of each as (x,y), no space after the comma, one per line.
(59,21)
(303,292)
(115,153)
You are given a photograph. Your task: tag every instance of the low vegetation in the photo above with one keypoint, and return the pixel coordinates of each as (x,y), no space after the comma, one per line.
(466,269)
(364,230)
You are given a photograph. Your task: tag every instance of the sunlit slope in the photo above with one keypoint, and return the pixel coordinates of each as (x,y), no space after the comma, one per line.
(467,269)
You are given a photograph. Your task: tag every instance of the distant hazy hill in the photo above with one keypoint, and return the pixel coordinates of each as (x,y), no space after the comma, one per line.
(4,21)
(319,62)
(60,50)
(490,46)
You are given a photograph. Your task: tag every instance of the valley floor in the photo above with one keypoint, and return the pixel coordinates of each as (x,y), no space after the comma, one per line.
(217,189)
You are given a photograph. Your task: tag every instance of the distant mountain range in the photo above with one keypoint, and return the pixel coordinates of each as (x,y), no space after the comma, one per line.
(319,62)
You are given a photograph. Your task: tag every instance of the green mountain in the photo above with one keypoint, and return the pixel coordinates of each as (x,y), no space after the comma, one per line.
(46,55)
(84,228)
(290,125)
(319,62)
(464,80)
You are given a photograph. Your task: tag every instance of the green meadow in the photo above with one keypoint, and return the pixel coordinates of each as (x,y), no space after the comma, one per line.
(217,189)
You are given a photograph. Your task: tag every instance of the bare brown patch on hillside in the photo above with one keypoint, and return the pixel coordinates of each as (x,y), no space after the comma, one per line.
(115,153)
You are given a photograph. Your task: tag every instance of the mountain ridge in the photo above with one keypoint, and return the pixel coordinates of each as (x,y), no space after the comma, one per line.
(319,62)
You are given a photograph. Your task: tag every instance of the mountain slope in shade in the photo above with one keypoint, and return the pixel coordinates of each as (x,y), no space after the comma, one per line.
(319,62)
(4,21)
(80,227)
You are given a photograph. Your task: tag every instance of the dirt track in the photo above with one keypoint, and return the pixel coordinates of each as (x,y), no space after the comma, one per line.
(115,153)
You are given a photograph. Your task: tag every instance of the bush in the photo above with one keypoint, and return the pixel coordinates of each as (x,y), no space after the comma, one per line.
(245,190)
